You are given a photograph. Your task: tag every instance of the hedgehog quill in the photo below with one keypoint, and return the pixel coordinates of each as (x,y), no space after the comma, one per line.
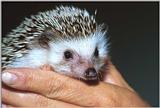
(66,38)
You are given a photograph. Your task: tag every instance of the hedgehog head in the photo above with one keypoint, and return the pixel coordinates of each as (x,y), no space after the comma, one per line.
(79,57)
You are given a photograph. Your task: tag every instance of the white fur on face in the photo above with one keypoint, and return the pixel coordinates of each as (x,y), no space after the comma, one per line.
(85,49)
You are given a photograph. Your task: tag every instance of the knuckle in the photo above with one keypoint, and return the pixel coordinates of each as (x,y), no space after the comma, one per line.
(114,100)
(33,81)
(41,102)
(29,79)
(55,87)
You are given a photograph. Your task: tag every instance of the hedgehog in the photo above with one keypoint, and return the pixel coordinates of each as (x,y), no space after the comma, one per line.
(66,38)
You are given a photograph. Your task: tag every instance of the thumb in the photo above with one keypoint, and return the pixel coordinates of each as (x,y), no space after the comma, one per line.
(113,76)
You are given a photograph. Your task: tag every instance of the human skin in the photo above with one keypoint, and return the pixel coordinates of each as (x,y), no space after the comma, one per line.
(45,88)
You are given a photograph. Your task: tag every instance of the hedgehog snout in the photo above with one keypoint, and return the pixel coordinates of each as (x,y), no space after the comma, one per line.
(91,74)
(85,69)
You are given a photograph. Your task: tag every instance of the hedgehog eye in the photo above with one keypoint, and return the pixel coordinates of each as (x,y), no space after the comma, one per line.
(96,52)
(68,55)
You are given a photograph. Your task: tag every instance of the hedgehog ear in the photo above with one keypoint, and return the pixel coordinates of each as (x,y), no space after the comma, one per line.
(45,38)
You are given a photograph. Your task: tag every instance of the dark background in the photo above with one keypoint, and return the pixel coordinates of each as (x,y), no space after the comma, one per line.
(133,31)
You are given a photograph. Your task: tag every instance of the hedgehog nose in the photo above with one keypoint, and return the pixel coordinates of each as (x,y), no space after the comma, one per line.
(91,74)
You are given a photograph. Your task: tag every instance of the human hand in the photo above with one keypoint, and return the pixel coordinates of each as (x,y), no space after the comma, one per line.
(42,87)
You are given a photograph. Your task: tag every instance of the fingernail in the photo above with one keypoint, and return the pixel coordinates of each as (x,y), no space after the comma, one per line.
(4,106)
(8,78)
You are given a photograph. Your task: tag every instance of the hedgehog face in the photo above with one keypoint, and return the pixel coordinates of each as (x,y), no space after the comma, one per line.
(80,58)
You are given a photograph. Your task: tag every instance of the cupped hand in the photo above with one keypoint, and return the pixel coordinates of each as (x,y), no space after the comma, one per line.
(28,87)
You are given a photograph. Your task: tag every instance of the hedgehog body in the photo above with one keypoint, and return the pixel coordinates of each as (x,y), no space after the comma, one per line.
(67,38)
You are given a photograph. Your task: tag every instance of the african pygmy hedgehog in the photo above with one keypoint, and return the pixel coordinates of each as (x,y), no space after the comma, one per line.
(66,38)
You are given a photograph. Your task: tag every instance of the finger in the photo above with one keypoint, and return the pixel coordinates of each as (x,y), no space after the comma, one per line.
(113,76)
(24,99)
(49,84)
(60,87)
(7,106)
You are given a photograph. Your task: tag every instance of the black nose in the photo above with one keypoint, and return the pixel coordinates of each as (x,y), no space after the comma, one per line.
(91,74)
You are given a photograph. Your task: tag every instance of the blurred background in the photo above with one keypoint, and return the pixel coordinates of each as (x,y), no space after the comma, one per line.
(133,31)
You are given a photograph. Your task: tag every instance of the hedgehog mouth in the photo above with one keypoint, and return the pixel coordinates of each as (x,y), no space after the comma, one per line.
(91,78)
